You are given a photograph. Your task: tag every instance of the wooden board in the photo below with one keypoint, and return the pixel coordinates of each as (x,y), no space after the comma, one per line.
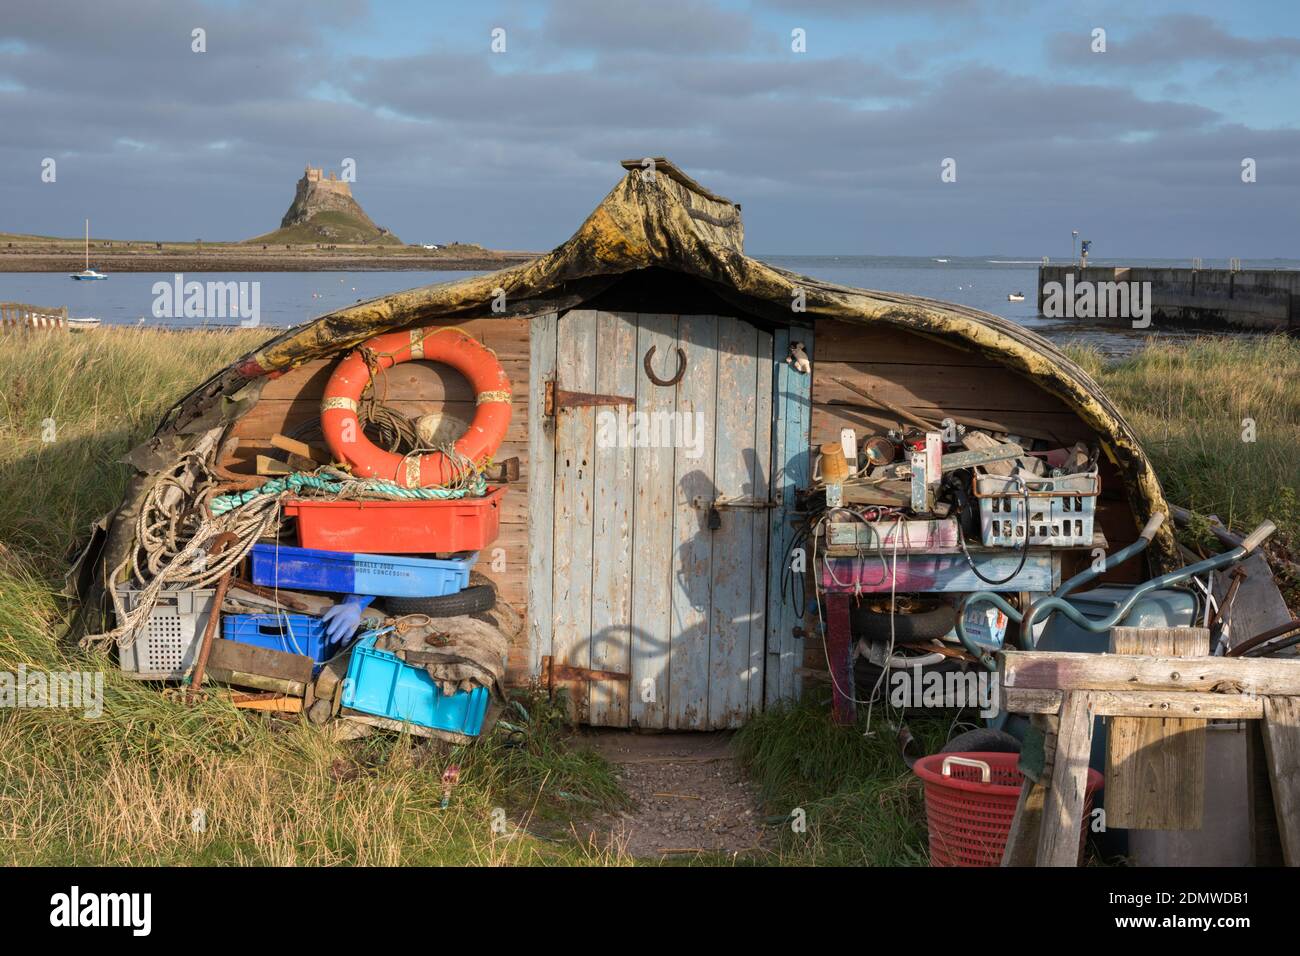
(688,657)
(652,532)
(575,434)
(1282,745)
(738,433)
(1061,670)
(764,426)
(1155,766)
(791,469)
(1058,841)
(611,591)
(1258,606)
(541,494)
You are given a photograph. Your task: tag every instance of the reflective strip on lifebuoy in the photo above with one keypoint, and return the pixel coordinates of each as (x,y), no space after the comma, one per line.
(342,429)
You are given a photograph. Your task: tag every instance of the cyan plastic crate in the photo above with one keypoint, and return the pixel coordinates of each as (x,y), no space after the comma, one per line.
(381,575)
(290,633)
(381,684)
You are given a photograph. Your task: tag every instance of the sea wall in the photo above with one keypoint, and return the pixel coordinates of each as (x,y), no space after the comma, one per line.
(1256,299)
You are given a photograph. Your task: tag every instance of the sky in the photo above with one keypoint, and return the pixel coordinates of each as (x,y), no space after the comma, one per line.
(835,149)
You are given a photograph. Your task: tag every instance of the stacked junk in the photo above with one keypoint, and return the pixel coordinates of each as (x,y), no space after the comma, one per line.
(915,519)
(344,586)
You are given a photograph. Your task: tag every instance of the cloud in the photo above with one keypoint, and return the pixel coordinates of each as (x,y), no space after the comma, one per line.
(1176,40)
(669,27)
(829,153)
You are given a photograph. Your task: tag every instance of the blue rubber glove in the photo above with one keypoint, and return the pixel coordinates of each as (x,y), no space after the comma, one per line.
(342,619)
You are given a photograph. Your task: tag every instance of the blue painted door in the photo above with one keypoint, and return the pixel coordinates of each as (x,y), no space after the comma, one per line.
(661,520)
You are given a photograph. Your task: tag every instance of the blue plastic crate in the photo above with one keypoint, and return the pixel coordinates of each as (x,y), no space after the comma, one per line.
(290,633)
(381,684)
(381,575)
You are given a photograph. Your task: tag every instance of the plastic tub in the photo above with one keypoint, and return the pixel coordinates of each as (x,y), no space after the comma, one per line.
(164,646)
(290,633)
(380,683)
(398,527)
(970,801)
(342,572)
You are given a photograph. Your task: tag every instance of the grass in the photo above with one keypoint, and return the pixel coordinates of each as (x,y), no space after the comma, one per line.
(129,786)
(857,802)
(1220,418)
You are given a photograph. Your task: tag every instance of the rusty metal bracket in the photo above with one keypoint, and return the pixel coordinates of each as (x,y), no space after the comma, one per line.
(557,398)
(665,382)
(553,673)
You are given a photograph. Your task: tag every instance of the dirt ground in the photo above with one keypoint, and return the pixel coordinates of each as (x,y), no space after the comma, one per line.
(689,796)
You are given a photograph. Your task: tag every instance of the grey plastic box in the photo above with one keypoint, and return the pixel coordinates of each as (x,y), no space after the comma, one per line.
(165,645)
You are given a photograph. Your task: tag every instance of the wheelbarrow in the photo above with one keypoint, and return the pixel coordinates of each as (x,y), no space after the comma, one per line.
(1082,622)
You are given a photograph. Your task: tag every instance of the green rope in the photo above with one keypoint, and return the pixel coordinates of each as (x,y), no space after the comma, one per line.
(369,486)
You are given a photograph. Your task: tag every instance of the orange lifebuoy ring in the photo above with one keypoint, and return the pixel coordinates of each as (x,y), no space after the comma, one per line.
(338,410)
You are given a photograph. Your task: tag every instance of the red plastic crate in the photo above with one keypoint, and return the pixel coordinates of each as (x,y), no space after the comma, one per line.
(398,527)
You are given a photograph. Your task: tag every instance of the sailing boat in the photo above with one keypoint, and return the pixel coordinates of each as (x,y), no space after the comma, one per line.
(88,273)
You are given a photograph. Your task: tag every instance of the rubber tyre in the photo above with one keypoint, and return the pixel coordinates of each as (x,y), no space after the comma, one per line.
(930,625)
(472,600)
(865,675)
(982,740)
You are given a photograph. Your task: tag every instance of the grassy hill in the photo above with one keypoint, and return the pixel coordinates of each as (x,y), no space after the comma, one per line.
(329,227)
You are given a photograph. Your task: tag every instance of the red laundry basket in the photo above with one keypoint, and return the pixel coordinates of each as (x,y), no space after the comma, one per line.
(970,799)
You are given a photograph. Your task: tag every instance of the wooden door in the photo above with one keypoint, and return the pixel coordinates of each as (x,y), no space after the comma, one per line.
(640,582)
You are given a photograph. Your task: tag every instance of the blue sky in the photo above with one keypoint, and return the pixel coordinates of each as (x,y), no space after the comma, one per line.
(836,150)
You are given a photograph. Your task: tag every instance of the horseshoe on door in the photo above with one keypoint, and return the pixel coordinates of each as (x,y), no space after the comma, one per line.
(650,372)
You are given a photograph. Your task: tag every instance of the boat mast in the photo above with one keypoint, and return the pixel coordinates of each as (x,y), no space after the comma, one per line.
(87,245)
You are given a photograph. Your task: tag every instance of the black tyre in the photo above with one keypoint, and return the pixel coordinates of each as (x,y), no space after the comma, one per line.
(982,740)
(915,619)
(867,676)
(472,600)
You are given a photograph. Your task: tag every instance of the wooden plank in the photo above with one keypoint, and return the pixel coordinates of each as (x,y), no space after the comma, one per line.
(828,420)
(1026,825)
(1155,766)
(271,416)
(247,658)
(652,541)
(1266,842)
(850,342)
(1282,745)
(541,493)
(688,658)
(734,460)
(762,444)
(1138,703)
(1060,670)
(795,411)
(410,380)
(575,433)
(1058,839)
(1258,606)
(911,386)
(779,529)
(611,594)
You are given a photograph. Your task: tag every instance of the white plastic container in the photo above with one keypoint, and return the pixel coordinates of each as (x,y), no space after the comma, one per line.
(165,645)
(1061,510)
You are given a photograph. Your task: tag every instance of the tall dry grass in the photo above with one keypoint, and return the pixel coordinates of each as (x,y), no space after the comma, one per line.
(1220,418)
(155,781)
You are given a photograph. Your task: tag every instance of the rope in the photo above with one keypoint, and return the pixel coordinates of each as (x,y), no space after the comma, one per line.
(344,486)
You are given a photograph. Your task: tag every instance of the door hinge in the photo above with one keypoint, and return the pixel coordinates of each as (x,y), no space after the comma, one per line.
(557,398)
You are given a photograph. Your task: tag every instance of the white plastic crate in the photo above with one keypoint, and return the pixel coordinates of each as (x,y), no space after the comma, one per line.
(165,645)
(1061,510)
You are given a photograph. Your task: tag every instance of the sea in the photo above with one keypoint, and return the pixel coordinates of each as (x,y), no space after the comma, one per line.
(286,299)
